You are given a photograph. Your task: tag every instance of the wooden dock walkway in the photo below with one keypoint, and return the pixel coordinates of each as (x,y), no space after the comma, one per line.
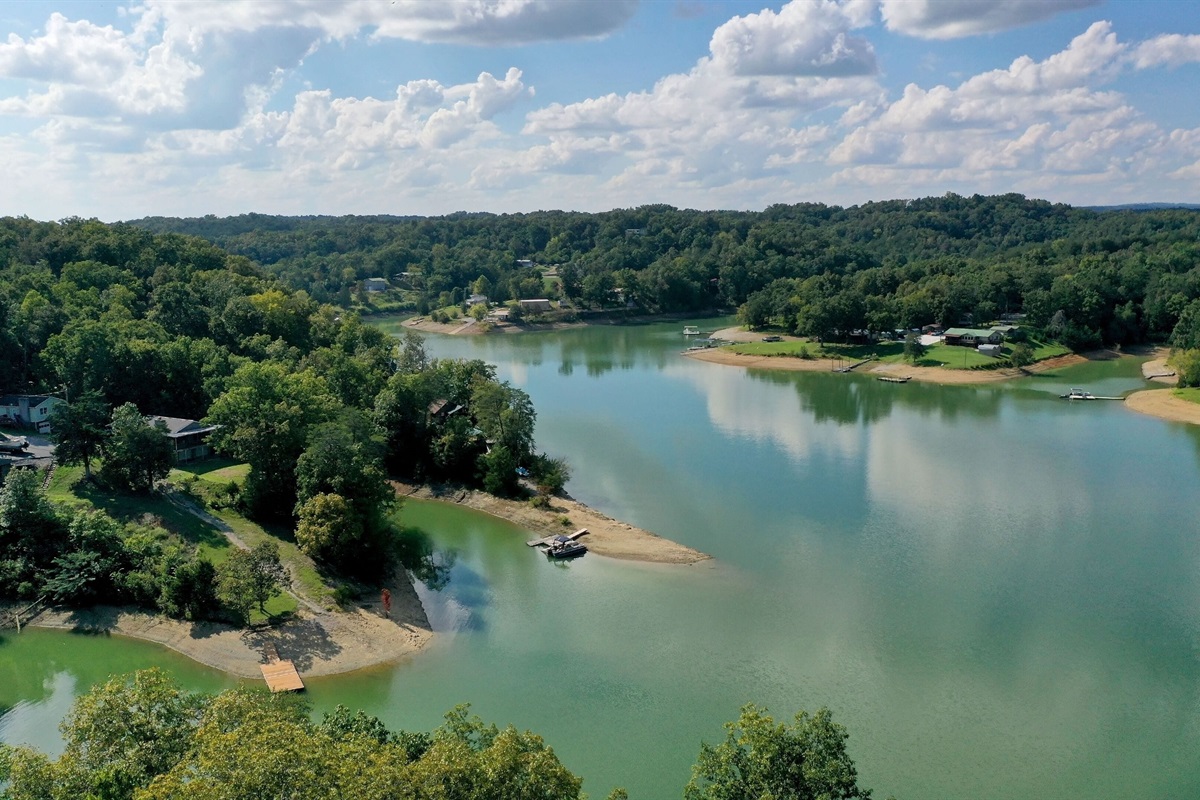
(855,364)
(546,541)
(892,379)
(280,674)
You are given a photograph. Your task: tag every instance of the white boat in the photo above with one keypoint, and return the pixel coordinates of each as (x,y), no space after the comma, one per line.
(13,444)
(691,330)
(1078,394)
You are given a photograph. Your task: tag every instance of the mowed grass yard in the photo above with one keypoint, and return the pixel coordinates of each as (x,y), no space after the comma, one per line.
(1191,394)
(892,352)
(68,487)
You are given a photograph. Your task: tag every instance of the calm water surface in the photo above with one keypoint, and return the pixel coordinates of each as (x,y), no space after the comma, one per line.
(995,590)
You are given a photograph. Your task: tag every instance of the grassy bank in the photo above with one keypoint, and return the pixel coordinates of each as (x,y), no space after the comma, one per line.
(68,487)
(938,355)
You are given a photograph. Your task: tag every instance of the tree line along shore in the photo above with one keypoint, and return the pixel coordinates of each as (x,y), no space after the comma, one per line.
(256,334)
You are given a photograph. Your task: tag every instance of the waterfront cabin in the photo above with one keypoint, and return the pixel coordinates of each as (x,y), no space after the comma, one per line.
(375,285)
(539,306)
(188,437)
(971,337)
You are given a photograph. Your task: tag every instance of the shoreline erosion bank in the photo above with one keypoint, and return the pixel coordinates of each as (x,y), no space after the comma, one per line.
(606,536)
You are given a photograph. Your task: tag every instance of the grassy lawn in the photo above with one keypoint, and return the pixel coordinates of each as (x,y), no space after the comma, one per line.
(68,487)
(1191,394)
(215,470)
(311,584)
(938,355)
(786,349)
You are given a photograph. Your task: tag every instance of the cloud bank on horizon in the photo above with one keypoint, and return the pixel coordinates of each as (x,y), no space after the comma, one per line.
(411,107)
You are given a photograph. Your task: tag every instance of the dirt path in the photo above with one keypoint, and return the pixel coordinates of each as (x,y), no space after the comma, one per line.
(606,536)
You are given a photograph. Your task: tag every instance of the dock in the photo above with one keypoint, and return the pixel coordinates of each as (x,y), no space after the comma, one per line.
(280,674)
(855,364)
(890,379)
(546,541)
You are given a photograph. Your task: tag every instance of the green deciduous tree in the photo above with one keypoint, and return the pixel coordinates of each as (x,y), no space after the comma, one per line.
(506,416)
(190,590)
(79,430)
(265,416)
(249,578)
(913,349)
(329,530)
(118,736)
(759,759)
(1022,355)
(137,452)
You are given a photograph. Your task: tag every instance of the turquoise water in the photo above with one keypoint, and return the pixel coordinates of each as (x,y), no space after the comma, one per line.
(995,590)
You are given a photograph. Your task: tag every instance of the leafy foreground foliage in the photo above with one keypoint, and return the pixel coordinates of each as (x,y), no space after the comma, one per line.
(145,738)
(760,759)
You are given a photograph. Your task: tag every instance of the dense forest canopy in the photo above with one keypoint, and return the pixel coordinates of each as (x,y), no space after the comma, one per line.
(1115,276)
(123,324)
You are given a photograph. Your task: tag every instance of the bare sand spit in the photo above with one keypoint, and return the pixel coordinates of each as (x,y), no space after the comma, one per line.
(466,326)
(1163,403)
(1156,368)
(606,536)
(318,643)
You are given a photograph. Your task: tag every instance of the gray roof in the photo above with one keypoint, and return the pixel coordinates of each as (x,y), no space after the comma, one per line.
(177,426)
(34,400)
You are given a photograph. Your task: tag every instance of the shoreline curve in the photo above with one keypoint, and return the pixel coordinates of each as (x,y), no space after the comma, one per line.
(318,643)
(606,536)
(1163,403)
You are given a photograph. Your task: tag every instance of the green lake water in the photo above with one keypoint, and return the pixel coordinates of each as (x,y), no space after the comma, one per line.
(995,590)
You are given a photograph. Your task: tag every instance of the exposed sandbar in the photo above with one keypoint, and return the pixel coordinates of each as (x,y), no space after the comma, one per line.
(606,536)
(1163,403)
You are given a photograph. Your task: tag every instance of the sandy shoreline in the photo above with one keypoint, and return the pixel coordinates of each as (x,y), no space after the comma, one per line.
(924,374)
(324,643)
(606,536)
(334,642)
(1163,403)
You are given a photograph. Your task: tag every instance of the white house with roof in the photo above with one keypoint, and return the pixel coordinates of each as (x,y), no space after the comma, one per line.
(28,410)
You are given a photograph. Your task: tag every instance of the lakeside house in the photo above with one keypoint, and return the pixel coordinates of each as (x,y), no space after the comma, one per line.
(375,285)
(539,306)
(972,337)
(477,300)
(188,437)
(28,410)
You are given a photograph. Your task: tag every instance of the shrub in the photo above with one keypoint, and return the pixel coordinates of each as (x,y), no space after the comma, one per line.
(345,595)
(1187,366)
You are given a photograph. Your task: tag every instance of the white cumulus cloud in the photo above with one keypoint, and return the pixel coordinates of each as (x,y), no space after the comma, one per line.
(804,38)
(952,19)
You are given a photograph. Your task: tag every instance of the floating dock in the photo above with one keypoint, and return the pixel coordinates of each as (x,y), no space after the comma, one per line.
(890,379)
(546,541)
(280,674)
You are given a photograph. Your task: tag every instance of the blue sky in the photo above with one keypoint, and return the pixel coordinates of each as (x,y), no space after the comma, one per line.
(190,107)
